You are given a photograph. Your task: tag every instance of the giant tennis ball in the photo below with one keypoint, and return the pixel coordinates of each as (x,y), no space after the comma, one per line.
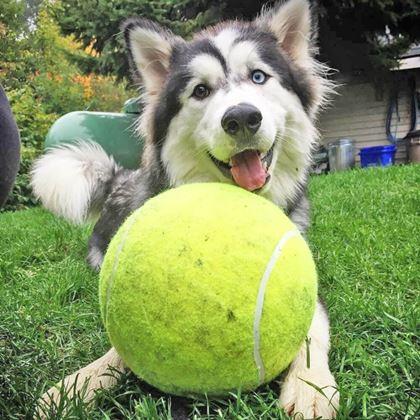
(207,288)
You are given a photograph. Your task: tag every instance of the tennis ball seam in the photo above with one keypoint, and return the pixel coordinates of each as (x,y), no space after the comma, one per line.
(111,277)
(259,305)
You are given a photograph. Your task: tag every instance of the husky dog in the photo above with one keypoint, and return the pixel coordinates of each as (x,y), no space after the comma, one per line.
(236,104)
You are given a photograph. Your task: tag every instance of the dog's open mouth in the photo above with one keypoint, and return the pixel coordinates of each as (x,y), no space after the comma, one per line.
(249,169)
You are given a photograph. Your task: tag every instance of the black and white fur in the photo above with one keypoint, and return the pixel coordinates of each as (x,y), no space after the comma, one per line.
(185,142)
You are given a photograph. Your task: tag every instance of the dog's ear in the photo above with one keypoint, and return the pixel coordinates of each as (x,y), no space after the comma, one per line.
(149,46)
(291,23)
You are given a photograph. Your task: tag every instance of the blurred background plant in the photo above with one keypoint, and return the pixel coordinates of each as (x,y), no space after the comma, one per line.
(40,71)
(58,56)
(356,34)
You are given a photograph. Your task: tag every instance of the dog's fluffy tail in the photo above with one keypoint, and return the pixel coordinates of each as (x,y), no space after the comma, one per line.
(72,180)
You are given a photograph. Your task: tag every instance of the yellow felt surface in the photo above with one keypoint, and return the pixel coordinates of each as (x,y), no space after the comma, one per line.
(179,299)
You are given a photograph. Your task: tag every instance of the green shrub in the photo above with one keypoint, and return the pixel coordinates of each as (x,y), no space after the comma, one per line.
(108,94)
(31,116)
(43,82)
(33,123)
(21,196)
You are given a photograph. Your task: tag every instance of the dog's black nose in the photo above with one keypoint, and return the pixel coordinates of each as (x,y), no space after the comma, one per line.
(243,117)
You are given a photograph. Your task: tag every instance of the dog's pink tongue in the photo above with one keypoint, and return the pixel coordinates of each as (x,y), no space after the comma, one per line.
(247,170)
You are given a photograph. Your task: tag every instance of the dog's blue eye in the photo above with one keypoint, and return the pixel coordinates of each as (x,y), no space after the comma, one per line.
(258,77)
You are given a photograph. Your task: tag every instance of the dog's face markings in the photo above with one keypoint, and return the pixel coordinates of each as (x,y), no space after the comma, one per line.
(232,107)
(182,73)
(235,104)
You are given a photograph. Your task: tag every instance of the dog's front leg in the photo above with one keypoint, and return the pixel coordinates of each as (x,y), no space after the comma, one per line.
(102,373)
(130,190)
(309,388)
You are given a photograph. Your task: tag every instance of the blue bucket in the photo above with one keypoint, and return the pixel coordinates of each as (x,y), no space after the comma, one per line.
(377,156)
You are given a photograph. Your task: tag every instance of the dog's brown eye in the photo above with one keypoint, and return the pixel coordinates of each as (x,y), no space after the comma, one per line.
(201,91)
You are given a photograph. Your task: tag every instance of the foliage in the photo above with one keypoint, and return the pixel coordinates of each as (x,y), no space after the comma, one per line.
(33,122)
(365,239)
(13,46)
(96,25)
(104,93)
(380,32)
(43,82)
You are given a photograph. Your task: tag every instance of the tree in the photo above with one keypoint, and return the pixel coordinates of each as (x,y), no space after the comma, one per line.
(368,34)
(13,45)
(365,35)
(41,82)
(95,24)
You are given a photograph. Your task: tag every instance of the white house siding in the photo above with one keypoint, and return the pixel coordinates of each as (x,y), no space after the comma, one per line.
(359,112)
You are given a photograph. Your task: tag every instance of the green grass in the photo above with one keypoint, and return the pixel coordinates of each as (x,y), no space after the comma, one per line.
(366,241)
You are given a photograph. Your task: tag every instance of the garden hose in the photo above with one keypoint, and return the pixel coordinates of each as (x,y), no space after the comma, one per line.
(393,107)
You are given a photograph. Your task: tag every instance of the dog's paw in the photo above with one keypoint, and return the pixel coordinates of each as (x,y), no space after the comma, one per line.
(310,395)
(50,403)
(95,258)
(45,403)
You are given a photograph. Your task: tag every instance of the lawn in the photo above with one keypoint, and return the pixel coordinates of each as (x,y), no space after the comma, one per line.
(366,240)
